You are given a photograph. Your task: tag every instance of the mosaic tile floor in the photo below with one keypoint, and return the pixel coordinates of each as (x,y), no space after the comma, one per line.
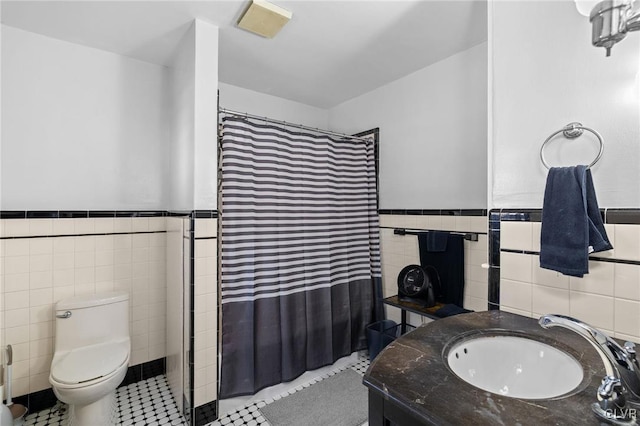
(150,403)
(249,414)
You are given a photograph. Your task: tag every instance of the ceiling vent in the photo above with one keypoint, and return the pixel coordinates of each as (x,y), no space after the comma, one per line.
(264,18)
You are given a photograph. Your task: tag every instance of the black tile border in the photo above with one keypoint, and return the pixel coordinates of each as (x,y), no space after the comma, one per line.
(507,215)
(41,214)
(623,216)
(37,401)
(92,234)
(178,213)
(213,214)
(609,216)
(126,213)
(144,371)
(205,413)
(10,214)
(594,258)
(73,214)
(79,214)
(435,212)
(101,213)
(41,400)
(205,214)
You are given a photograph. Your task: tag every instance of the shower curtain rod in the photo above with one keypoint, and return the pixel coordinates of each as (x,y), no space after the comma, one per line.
(286,123)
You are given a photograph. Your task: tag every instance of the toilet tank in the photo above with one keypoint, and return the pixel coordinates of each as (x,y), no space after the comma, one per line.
(91,319)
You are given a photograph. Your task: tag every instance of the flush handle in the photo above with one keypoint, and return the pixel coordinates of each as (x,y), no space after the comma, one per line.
(67,314)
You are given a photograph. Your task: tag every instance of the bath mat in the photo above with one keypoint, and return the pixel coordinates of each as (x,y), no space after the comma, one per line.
(339,400)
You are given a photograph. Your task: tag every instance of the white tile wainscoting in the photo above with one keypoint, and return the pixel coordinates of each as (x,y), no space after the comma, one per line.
(398,251)
(205,311)
(607,298)
(45,260)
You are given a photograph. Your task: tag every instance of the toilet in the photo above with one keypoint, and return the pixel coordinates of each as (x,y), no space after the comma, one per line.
(91,355)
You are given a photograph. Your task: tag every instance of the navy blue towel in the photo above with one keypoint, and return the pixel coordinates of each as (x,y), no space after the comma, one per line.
(436,241)
(450,310)
(449,264)
(571,223)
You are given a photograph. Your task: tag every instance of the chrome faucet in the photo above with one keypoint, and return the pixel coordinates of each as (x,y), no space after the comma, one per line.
(621,385)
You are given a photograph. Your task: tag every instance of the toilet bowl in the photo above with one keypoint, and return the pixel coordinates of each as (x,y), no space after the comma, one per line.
(92,350)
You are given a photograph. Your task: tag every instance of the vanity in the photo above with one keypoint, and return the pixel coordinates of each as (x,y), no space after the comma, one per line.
(410,382)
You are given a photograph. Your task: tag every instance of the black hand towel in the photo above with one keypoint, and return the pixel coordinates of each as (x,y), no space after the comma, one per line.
(437,240)
(450,310)
(571,223)
(449,265)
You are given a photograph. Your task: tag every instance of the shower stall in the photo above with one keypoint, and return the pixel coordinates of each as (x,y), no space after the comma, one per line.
(300,250)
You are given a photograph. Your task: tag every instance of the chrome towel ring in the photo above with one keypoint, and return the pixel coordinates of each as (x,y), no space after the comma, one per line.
(572,131)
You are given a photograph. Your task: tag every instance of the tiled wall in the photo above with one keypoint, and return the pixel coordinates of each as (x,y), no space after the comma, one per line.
(205,311)
(607,298)
(45,260)
(398,251)
(176,284)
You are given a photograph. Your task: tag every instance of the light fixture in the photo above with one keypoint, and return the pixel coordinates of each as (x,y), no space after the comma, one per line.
(611,20)
(584,6)
(264,18)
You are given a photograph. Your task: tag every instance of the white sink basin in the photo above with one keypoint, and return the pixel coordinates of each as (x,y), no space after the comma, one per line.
(515,366)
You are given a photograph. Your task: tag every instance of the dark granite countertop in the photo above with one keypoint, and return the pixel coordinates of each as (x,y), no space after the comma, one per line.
(412,373)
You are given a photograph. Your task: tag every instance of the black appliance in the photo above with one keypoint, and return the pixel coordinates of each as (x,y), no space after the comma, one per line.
(418,284)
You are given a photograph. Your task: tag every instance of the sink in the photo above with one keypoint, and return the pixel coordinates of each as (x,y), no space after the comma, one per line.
(514,366)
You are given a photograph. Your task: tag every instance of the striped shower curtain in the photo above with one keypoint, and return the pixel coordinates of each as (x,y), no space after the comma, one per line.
(300,252)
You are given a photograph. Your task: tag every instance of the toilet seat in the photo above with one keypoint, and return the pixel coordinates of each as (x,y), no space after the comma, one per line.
(90,364)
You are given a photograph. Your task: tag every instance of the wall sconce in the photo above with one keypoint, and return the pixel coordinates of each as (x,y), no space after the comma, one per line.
(611,20)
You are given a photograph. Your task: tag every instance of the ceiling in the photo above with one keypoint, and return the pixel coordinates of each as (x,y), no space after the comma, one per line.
(329,52)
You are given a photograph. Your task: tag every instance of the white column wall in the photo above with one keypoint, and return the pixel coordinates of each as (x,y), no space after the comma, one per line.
(206,108)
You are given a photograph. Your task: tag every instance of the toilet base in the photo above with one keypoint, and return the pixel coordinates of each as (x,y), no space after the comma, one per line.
(103,412)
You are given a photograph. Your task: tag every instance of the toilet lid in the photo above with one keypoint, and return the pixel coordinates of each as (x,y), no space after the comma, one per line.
(89,363)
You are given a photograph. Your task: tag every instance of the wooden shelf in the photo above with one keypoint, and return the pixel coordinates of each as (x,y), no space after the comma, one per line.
(413,307)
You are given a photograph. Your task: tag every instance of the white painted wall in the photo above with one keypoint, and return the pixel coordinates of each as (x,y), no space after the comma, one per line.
(194,101)
(82,128)
(245,100)
(545,75)
(182,122)
(1,198)
(433,133)
(206,109)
